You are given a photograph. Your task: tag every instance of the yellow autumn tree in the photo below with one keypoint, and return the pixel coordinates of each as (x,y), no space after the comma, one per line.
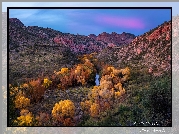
(63,110)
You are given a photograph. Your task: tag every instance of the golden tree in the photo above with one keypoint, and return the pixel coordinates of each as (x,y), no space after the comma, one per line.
(64,110)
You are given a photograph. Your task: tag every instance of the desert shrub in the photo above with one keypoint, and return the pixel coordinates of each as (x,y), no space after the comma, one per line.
(13,91)
(36,90)
(91,57)
(68,122)
(63,71)
(21,101)
(64,112)
(85,106)
(65,78)
(126,74)
(85,72)
(26,118)
(80,74)
(43,119)
(47,82)
(94,110)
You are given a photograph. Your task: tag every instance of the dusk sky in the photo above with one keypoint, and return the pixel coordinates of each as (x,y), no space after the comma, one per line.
(93,21)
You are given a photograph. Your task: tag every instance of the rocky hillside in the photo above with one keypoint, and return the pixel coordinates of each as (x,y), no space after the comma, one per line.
(31,35)
(151,50)
(116,39)
(31,54)
(20,34)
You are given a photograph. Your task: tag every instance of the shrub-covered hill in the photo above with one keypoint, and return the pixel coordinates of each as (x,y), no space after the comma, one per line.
(21,34)
(152,51)
(37,60)
(51,85)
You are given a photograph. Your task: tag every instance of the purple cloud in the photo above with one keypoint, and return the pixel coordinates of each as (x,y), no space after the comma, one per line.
(127,22)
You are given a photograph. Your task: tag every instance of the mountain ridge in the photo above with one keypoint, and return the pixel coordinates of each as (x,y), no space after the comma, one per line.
(77,43)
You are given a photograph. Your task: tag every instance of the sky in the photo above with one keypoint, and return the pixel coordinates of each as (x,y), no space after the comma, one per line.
(91,21)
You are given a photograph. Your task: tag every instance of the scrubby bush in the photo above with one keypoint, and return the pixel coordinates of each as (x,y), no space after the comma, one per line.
(79,74)
(86,106)
(13,91)
(36,90)
(85,72)
(21,101)
(94,110)
(47,82)
(26,118)
(64,112)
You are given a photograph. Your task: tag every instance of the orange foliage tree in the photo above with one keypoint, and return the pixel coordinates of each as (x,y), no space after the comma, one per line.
(36,90)
(79,74)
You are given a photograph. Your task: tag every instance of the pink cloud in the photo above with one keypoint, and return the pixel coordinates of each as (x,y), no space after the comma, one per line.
(127,22)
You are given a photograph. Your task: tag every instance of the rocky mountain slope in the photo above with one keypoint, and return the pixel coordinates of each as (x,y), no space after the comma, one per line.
(152,51)
(116,39)
(20,34)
